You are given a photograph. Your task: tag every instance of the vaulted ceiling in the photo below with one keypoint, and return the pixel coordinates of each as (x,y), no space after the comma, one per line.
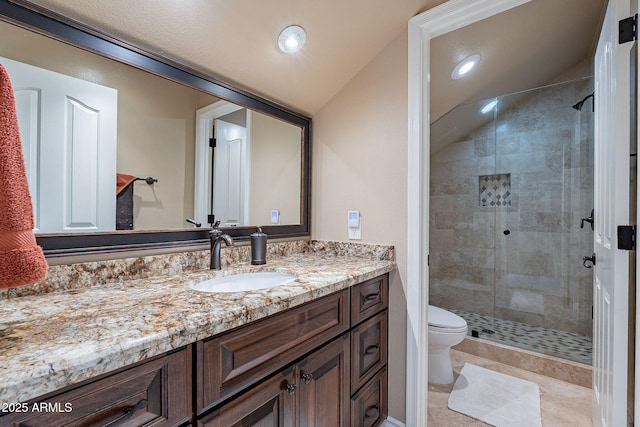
(523,48)
(236,40)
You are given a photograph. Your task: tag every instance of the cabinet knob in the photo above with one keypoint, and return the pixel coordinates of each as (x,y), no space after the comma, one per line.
(306,377)
(290,388)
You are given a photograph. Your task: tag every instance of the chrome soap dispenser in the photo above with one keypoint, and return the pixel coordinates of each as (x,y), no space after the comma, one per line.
(258,247)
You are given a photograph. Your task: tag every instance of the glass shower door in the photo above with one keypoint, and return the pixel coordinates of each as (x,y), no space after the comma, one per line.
(543,294)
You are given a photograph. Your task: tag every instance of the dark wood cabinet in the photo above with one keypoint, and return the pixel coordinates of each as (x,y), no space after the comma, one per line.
(368,349)
(312,392)
(270,403)
(368,298)
(233,361)
(323,386)
(156,392)
(369,404)
(320,364)
(342,383)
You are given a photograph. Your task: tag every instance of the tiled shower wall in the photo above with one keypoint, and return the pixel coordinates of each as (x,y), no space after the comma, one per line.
(520,260)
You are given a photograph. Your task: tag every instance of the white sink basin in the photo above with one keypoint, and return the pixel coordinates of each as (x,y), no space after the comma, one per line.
(243,282)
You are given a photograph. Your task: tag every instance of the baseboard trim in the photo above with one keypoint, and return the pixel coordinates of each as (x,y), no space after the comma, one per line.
(392,422)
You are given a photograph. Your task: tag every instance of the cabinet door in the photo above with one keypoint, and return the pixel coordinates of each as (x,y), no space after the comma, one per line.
(368,349)
(229,363)
(271,403)
(323,391)
(369,298)
(369,405)
(157,392)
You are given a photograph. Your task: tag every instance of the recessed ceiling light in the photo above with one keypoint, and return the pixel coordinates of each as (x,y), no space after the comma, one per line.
(291,39)
(489,106)
(465,66)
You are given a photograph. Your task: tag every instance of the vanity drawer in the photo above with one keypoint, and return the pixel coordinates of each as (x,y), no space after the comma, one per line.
(231,362)
(368,298)
(368,349)
(369,405)
(157,392)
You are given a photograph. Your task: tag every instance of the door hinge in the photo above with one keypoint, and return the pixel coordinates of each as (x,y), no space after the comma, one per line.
(628,29)
(627,237)
(212,143)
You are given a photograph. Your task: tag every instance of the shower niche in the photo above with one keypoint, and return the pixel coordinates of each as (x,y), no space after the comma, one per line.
(508,189)
(494,190)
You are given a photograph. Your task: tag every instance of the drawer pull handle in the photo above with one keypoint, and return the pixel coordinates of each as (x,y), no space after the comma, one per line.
(371,412)
(290,388)
(306,377)
(371,349)
(372,297)
(127,413)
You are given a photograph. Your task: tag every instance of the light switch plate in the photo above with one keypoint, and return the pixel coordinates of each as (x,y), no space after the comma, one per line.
(275,217)
(355,234)
(354,225)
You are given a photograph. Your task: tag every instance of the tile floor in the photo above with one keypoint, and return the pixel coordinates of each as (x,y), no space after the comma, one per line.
(551,342)
(562,404)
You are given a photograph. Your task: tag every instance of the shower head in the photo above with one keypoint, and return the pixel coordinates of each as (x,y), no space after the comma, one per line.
(578,105)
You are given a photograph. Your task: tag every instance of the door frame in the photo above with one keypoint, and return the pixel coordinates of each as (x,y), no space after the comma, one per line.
(205,117)
(437,21)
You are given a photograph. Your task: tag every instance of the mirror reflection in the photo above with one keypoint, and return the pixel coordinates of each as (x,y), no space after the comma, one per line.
(92,126)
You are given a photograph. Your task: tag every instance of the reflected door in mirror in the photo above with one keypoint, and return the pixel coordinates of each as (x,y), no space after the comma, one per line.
(77,119)
(230,168)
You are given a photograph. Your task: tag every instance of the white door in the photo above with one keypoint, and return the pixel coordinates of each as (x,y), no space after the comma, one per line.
(611,198)
(68,128)
(229,183)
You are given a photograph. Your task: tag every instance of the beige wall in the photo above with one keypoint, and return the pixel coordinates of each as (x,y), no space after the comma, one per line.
(359,162)
(276,155)
(156,123)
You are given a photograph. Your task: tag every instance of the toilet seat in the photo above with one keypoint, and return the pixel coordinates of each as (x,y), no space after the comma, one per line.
(444,321)
(447,330)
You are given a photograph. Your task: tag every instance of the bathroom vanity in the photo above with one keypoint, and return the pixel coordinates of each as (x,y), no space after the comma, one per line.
(310,352)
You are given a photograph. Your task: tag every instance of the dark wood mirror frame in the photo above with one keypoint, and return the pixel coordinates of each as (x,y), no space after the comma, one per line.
(50,24)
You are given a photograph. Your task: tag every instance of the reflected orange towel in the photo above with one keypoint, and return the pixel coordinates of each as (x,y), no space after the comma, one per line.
(21,260)
(122,180)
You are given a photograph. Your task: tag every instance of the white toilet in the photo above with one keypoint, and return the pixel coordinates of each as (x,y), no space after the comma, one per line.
(445,330)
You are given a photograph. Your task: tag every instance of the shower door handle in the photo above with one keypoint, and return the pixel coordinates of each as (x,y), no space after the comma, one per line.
(589,261)
(588,219)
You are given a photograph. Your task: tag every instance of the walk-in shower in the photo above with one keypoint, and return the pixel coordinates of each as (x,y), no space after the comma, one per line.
(510,185)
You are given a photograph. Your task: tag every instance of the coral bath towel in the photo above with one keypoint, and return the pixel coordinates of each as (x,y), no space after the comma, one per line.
(122,181)
(21,259)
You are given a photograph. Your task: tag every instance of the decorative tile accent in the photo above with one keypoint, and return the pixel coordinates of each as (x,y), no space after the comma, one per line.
(495,190)
(552,342)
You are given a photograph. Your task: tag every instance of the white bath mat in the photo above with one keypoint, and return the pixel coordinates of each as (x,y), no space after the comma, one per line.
(497,399)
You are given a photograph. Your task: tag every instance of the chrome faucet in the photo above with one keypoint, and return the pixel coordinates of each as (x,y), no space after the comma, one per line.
(217,237)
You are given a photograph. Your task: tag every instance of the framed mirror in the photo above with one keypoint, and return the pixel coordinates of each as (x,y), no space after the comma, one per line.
(180,145)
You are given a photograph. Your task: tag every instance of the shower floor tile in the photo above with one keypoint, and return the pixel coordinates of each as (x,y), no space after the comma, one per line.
(551,342)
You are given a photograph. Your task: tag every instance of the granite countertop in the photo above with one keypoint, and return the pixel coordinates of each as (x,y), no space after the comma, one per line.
(57,339)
